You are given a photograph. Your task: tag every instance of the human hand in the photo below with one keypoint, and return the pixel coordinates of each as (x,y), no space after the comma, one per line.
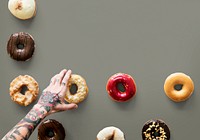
(52,98)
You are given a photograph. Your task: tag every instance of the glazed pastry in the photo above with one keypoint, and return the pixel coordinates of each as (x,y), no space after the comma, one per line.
(22,9)
(127,81)
(30,94)
(181,79)
(51,130)
(21,46)
(155,130)
(82,89)
(110,133)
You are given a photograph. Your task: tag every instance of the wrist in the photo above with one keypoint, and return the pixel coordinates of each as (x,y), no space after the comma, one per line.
(40,110)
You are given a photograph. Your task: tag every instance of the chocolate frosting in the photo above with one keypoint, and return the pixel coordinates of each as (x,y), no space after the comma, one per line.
(21,46)
(51,130)
(155,129)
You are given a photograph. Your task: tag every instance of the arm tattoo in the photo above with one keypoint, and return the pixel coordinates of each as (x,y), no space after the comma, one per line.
(27,125)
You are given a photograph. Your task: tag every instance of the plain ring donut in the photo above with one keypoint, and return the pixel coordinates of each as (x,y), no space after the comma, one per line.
(186,87)
(110,133)
(82,89)
(21,46)
(155,130)
(51,130)
(31,92)
(129,87)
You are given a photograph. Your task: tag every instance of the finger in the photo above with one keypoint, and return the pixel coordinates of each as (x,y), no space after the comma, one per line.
(66,79)
(60,76)
(53,80)
(64,107)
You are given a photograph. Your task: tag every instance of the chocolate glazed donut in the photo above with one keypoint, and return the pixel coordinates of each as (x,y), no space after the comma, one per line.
(51,130)
(155,129)
(21,46)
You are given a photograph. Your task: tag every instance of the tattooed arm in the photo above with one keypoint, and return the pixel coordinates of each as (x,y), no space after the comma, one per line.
(51,101)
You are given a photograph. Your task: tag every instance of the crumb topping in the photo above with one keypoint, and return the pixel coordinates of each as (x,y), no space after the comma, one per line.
(155,132)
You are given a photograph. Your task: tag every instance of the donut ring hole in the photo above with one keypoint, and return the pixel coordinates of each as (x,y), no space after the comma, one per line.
(20,46)
(178,87)
(23,89)
(49,133)
(121,87)
(73,89)
(156,134)
(112,138)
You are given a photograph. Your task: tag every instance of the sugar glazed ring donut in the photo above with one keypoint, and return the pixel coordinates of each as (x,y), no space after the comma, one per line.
(178,79)
(110,133)
(128,83)
(82,89)
(30,94)
(22,9)
(155,130)
(51,130)
(21,46)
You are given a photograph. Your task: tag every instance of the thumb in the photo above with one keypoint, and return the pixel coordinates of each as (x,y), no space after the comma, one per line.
(64,107)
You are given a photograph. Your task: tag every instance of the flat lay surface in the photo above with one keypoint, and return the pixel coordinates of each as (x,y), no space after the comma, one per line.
(148,40)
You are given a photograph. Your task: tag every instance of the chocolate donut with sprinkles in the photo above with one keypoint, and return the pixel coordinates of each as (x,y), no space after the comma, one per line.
(155,130)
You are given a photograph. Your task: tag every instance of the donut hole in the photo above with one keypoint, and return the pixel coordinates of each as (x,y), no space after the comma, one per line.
(121,87)
(49,133)
(73,89)
(111,138)
(23,90)
(178,87)
(20,46)
(156,134)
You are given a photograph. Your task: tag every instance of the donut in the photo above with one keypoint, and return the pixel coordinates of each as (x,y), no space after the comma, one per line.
(155,130)
(22,9)
(51,130)
(128,83)
(21,46)
(82,89)
(182,80)
(31,92)
(110,133)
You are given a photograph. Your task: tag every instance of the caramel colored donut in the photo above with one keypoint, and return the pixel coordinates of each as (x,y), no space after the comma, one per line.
(127,81)
(82,89)
(155,130)
(21,46)
(110,133)
(30,94)
(51,130)
(22,9)
(178,79)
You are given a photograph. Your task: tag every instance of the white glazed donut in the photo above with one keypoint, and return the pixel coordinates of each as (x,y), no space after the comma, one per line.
(22,9)
(110,133)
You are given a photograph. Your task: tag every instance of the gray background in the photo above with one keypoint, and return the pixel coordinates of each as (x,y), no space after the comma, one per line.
(148,39)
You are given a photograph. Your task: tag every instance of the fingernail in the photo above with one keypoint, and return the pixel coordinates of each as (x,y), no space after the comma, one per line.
(76,106)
